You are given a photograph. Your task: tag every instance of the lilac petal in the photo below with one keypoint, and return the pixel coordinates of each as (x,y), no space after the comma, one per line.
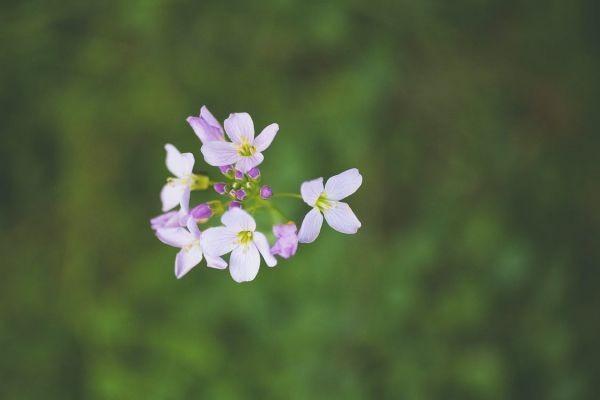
(167,220)
(171,195)
(218,241)
(341,218)
(184,202)
(245,164)
(215,262)
(176,237)
(239,127)
(265,138)
(179,164)
(244,263)
(311,226)
(238,220)
(186,260)
(343,185)
(219,153)
(262,245)
(285,229)
(206,126)
(193,228)
(311,191)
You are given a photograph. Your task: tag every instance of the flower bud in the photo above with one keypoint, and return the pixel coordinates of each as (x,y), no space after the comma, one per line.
(239,175)
(235,204)
(266,192)
(254,173)
(220,187)
(240,194)
(201,212)
(226,169)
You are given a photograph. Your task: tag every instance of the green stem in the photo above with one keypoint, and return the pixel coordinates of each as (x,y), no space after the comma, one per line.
(293,195)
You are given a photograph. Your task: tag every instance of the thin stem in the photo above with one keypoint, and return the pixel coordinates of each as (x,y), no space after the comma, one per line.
(293,195)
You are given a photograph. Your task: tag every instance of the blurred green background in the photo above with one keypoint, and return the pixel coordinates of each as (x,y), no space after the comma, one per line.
(474,123)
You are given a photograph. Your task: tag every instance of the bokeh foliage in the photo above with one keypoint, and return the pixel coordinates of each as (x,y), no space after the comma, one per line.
(474,123)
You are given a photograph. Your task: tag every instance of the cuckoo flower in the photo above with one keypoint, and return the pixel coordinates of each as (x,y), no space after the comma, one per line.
(238,236)
(181,166)
(244,150)
(287,240)
(206,126)
(188,240)
(325,200)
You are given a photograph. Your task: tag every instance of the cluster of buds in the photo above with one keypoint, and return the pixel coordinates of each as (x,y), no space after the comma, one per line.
(241,195)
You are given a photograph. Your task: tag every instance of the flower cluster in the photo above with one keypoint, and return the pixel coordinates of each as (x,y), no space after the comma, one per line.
(241,194)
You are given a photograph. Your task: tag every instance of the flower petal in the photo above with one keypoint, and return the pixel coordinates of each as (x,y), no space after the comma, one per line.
(238,220)
(244,263)
(215,262)
(179,164)
(245,164)
(218,153)
(176,237)
(311,226)
(193,227)
(239,127)
(167,220)
(206,126)
(184,202)
(218,241)
(170,195)
(341,218)
(186,260)
(262,244)
(311,191)
(265,138)
(343,185)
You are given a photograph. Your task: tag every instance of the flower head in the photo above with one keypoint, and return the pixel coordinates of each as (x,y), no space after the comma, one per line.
(188,240)
(325,201)
(181,166)
(244,150)
(287,240)
(206,126)
(239,236)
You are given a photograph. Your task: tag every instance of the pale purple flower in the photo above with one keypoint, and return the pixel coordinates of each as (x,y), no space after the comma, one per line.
(287,240)
(235,204)
(325,200)
(254,173)
(266,192)
(220,187)
(206,126)
(244,150)
(201,212)
(238,236)
(190,255)
(180,165)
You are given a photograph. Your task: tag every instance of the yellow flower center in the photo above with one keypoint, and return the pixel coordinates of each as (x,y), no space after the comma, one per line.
(246,149)
(244,237)
(322,203)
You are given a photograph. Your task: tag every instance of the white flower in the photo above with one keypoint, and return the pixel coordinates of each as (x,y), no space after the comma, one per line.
(238,236)
(244,150)
(180,165)
(188,240)
(325,200)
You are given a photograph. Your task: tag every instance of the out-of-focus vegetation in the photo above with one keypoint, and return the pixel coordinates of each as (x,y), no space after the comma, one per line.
(474,123)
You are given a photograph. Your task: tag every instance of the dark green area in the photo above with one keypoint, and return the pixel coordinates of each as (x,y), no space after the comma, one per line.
(474,123)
